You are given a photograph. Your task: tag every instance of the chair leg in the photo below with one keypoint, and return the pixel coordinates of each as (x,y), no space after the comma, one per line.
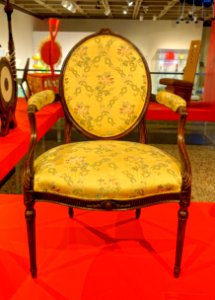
(71,211)
(138,213)
(182,220)
(30,221)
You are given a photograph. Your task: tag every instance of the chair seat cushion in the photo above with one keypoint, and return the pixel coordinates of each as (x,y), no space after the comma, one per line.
(107,170)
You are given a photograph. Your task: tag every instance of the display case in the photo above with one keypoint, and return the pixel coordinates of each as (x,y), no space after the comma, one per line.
(169,62)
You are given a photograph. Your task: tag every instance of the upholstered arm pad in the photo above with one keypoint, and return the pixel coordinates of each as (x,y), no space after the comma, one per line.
(41,99)
(176,82)
(170,100)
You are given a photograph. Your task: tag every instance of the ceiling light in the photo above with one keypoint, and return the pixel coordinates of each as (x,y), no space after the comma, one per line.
(73,9)
(145,9)
(125,11)
(130,2)
(190,13)
(107,11)
(141,17)
(65,3)
(195,19)
(69,5)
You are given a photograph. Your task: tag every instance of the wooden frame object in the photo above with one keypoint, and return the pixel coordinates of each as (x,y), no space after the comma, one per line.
(7,97)
(184,87)
(24,82)
(8,81)
(32,194)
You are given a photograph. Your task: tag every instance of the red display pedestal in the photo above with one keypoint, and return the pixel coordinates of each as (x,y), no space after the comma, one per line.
(14,146)
(201,112)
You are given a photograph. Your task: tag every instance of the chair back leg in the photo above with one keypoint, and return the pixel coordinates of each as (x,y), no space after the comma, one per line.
(138,213)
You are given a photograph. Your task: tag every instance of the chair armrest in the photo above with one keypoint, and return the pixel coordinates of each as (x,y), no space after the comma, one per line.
(185,161)
(41,99)
(176,82)
(35,103)
(170,100)
(28,172)
(178,105)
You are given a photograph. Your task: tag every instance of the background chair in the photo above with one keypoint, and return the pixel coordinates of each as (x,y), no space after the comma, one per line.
(35,77)
(105,88)
(184,87)
(24,82)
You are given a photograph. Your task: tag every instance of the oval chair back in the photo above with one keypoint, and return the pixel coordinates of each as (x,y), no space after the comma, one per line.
(105,85)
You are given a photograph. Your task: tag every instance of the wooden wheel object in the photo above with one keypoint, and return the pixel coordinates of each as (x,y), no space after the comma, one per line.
(7,97)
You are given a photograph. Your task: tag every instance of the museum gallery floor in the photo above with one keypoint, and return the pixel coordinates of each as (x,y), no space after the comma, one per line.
(106,255)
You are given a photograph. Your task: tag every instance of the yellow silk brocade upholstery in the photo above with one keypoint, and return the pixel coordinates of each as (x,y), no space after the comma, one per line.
(170,100)
(105,85)
(42,99)
(107,170)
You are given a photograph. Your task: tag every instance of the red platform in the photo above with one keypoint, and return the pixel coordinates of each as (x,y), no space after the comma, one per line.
(106,255)
(197,112)
(15,145)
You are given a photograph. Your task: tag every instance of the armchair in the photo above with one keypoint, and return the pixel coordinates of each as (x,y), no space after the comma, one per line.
(24,81)
(25,85)
(184,87)
(105,89)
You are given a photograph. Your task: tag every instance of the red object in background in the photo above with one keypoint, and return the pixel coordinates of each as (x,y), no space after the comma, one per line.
(50,51)
(47,57)
(15,145)
(209,91)
(170,55)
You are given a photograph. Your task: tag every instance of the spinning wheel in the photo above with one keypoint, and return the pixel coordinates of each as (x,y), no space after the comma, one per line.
(7,97)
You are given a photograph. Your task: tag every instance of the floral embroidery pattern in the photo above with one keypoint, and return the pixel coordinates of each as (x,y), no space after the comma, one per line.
(170,100)
(105,74)
(128,110)
(107,170)
(105,79)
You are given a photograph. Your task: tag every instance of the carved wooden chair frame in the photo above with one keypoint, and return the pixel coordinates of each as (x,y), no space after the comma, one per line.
(182,197)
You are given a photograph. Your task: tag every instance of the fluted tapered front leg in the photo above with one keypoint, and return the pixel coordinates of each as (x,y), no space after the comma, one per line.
(30,215)
(182,220)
